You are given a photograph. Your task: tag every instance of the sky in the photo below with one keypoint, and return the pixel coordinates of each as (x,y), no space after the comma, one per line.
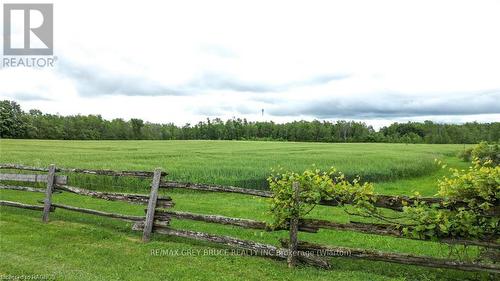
(183,61)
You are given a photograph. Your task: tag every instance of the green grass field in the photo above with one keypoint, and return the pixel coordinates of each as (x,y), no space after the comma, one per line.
(83,247)
(239,163)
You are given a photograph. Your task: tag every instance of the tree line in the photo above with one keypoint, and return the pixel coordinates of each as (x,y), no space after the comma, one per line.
(16,123)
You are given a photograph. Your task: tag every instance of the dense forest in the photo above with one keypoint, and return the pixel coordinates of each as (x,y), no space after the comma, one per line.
(15,123)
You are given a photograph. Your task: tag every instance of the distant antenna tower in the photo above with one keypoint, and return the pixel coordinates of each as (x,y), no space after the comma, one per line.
(263,112)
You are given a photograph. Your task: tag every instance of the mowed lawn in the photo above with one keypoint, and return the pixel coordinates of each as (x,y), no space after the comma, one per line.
(76,246)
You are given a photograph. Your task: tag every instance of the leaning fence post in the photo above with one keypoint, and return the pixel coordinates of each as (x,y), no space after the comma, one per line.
(150,215)
(294,225)
(48,193)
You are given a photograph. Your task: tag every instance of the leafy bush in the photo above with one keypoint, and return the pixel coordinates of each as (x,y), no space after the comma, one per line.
(470,207)
(483,152)
(466,154)
(472,198)
(314,185)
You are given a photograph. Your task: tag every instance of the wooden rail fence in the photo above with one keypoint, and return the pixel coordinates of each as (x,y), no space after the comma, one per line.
(158,216)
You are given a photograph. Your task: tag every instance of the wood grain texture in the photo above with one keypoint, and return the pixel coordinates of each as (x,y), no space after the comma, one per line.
(394,257)
(150,214)
(99,213)
(143,174)
(22,188)
(23,206)
(390,230)
(294,226)
(32,178)
(163,202)
(51,176)
(215,188)
(245,223)
(395,203)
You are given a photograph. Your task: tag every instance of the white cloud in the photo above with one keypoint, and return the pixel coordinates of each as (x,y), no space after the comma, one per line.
(182,61)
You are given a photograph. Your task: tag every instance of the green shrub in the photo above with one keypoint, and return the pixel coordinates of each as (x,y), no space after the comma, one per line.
(483,152)
(471,200)
(472,197)
(466,154)
(314,185)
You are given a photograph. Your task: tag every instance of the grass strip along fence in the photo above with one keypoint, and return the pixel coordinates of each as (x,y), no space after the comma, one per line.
(158,217)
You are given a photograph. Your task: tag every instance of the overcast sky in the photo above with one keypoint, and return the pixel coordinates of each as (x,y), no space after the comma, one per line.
(183,61)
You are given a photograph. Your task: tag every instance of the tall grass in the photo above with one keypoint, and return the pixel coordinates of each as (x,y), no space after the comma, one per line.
(239,163)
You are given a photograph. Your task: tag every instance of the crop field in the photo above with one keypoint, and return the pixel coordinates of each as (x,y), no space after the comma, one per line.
(82,247)
(239,163)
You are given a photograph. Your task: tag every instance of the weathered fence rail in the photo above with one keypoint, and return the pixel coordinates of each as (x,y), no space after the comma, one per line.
(163,202)
(215,188)
(21,205)
(313,226)
(388,230)
(394,257)
(32,178)
(98,213)
(157,218)
(141,174)
(57,183)
(23,188)
(393,202)
(253,248)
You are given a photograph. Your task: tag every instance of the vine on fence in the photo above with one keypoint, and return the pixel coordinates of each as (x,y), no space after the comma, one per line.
(469,209)
(471,196)
(315,186)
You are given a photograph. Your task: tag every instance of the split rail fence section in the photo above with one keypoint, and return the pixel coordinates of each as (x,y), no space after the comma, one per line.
(158,216)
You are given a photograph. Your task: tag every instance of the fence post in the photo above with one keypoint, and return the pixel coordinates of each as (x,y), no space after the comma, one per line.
(294,225)
(150,215)
(48,193)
